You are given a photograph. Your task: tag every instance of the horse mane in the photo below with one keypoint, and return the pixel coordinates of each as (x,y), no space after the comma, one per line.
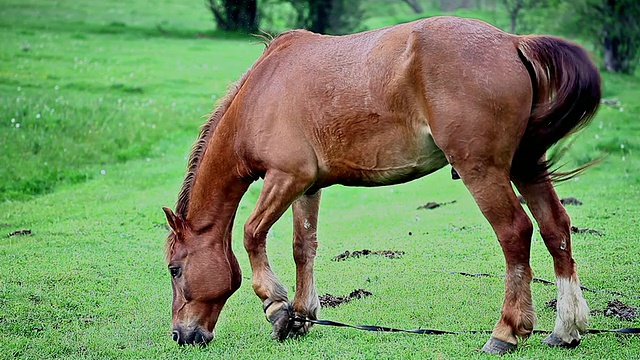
(198,148)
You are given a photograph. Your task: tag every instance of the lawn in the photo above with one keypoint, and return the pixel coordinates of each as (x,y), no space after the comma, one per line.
(109,97)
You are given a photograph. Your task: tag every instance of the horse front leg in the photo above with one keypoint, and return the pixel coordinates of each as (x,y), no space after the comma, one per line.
(305,244)
(278,192)
(491,188)
(554,223)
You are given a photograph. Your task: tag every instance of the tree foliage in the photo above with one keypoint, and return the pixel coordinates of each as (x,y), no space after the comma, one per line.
(614,25)
(328,16)
(235,15)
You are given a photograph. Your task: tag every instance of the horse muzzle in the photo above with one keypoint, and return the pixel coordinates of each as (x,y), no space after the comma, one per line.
(194,336)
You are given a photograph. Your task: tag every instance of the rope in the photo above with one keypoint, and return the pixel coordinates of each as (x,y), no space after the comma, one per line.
(299,320)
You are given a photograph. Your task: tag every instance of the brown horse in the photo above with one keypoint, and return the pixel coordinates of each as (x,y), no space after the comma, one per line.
(378,108)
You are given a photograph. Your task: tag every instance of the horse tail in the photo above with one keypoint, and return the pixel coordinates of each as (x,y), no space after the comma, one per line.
(566,95)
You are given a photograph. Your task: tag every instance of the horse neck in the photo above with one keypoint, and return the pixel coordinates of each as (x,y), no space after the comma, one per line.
(216,192)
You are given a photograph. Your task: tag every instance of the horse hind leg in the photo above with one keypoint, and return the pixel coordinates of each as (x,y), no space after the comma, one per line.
(278,192)
(554,223)
(305,244)
(491,188)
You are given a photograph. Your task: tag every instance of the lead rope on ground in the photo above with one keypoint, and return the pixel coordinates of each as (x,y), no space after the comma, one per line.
(297,320)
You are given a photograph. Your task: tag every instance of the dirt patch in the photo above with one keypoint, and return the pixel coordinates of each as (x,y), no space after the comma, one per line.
(577,230)
(19,233)
(616,308)
(563,201)
(433,205)
(391,254)
(553,304)
(570,201)
(328,300)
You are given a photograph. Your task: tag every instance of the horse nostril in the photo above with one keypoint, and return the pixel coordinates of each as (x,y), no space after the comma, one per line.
(175,335)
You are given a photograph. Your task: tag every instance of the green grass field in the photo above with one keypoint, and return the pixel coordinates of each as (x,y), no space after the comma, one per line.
(109,97)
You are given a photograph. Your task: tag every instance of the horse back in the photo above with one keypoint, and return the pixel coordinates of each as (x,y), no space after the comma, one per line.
(363,109)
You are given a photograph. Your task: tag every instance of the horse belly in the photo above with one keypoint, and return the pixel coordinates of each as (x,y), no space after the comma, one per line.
(392,161)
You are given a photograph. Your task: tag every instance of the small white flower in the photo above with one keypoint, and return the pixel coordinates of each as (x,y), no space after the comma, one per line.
(621,109)
(597,136)
(38,116)
(148,159)
(621,146)
(119,101)
(13,120)
(56,88)
(19,88)
(601,125)
(624,158)
(153,126)
(17,125)
(173,104)
(103,172)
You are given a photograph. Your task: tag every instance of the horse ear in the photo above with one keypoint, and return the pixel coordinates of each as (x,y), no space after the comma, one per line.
(174,220)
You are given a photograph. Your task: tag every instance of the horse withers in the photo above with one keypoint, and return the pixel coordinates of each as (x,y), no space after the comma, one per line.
(378,108)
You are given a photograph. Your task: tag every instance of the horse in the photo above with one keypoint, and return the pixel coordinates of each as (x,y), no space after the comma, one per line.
(378,108)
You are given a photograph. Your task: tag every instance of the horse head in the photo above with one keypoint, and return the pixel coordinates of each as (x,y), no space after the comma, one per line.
(204,274)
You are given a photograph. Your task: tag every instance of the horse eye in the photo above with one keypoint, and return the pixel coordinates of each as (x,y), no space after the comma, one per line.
(175,271)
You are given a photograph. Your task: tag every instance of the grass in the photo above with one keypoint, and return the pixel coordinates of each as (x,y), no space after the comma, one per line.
(91,281)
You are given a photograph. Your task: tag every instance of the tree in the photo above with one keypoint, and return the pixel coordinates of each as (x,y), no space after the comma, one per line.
(514,8)
(414,5)
(614,25)
(235,15)
(328,16)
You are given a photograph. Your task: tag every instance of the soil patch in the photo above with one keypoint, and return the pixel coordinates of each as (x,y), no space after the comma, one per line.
(553,304)
(577,230)
(563,201)
(616,308)
(433,205)
(328,300)
(570,201)
(19,233)
(391,254)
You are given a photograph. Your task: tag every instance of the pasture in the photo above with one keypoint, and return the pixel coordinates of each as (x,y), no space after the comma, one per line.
(109,97)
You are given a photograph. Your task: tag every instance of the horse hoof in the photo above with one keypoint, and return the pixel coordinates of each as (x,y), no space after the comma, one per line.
(554,341)
(299,328)
(279,320)
(498,347)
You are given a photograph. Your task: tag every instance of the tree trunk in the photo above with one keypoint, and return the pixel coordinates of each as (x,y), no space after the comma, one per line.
(611,56)
(235,15)
(414,5)
(319,15)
